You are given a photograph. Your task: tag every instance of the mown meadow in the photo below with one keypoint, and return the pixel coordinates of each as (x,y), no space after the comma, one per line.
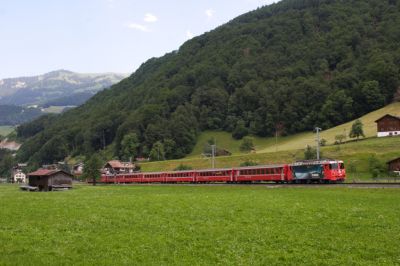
(200,225)
(5,130)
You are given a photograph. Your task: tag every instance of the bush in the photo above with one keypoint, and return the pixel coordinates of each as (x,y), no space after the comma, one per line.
(183,167)
(240,130)
(247,144)
(248,163)
(376,167)
(322,142)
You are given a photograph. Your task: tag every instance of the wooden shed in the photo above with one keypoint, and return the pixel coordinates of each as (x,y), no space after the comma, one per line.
(47,180)
(394,165)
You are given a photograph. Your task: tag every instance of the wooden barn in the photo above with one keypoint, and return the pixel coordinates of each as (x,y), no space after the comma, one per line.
(47,180)
(394,165)
(388,125)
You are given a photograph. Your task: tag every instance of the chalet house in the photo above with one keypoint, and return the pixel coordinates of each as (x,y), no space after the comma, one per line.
(118,167)
(17,173)
(18,176)
(46,180)
(77,169)
(388,125)
(394,165)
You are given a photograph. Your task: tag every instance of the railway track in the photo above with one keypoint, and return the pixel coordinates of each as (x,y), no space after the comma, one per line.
(350,185)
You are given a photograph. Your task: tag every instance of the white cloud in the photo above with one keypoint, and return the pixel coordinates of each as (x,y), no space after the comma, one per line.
(189,34)
(210,13)
(111,3)
(137,26)
(150,18)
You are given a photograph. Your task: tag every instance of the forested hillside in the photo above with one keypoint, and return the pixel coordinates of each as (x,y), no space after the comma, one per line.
(15,115)
(286,67)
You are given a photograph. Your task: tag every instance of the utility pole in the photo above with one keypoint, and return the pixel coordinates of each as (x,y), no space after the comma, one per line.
(317,139)
(213,155)
(104,140)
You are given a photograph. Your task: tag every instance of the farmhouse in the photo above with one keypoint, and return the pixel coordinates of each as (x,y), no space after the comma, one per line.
(394,165)
(17,173)
(18,176)
(118,167)
(46,179)
(388,125)
(77,169)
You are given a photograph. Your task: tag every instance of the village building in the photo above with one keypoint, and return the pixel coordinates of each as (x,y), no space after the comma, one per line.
(388,125)
(77,169)
(47,180)
(17,173)
(118,167)
(394,165)
(18,176)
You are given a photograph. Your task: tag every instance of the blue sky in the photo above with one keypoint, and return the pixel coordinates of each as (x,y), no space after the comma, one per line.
(38,36)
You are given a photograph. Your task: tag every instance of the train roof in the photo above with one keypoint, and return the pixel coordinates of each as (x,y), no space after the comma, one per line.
(314,162)
(260,166)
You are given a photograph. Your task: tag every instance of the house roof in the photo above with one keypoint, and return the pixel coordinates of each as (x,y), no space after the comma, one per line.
(393,160)
(46,172)
(119,164)
(388,115)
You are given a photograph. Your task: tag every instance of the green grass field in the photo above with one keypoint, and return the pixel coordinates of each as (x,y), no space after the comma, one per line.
(200,225)
(5,130)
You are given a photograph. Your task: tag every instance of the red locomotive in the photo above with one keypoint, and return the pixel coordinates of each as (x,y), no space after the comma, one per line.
(319,171)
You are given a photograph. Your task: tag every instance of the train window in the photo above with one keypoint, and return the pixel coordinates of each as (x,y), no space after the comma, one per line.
(333,166)
(342,166)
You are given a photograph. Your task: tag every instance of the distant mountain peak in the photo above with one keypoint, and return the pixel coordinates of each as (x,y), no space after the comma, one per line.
(53,85)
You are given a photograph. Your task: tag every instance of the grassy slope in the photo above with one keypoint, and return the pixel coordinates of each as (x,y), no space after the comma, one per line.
(291,148)
(200,225)
(5,130)
(298,141)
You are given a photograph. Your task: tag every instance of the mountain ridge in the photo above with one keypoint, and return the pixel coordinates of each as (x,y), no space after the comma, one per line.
(34,90)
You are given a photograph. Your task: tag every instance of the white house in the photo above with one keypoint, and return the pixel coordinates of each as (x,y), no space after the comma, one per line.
(19,176)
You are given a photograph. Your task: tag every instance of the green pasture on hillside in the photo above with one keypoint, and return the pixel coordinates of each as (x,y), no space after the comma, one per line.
(293,142)
(200,225)
(5,130)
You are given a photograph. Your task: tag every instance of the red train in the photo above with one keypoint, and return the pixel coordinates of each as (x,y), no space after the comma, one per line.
(316,171)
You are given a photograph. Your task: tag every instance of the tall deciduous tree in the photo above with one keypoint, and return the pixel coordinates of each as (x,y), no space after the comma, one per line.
(129,145)
(157,152)
(357,130)
(91,169)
